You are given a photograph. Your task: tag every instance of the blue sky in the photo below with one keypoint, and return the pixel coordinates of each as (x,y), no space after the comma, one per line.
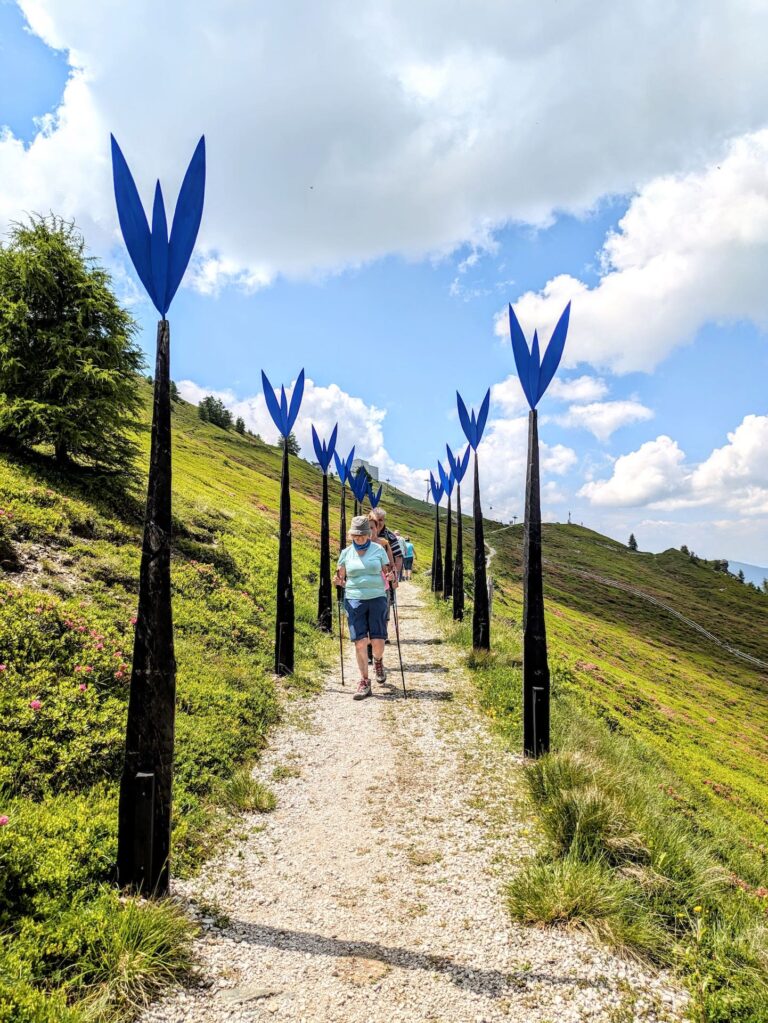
(374,238)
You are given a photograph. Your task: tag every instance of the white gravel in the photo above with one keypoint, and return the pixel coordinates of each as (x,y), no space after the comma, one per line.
(374,893)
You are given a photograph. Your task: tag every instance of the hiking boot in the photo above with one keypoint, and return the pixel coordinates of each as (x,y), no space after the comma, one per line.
(363,689)
(378,667)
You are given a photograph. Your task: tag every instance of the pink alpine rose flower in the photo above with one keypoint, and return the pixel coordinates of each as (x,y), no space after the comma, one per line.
(35,704)
(4,820)
(83,686)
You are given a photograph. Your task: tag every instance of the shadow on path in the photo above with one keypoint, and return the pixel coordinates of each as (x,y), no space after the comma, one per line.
(464,976)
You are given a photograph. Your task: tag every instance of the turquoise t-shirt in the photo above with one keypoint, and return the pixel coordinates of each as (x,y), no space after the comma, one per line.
(364,578)
(408,549)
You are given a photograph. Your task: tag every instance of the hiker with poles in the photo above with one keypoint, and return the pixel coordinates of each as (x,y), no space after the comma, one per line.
(363,569)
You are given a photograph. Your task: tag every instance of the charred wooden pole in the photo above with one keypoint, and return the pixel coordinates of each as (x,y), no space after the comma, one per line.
(536,689)
(458,565)
(324,593)
(437,556)
(144,813)
(448,567)
(343,518)
(285,611)
(325,453)
(481,617)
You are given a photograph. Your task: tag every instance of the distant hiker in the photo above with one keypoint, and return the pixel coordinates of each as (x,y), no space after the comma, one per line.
(408,555)
(364,569)
(401,543)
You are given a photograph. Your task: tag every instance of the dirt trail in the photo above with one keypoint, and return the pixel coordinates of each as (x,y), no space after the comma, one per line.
(374,893)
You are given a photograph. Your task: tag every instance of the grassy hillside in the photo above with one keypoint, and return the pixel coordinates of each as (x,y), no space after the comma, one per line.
(653,809)
(662,708)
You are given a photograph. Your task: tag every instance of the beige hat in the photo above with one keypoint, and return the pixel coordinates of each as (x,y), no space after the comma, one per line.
(360,526)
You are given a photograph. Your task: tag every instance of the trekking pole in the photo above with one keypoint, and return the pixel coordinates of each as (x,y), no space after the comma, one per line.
(339,591)
(397,633)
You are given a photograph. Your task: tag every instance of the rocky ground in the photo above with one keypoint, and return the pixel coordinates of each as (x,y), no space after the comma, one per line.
(374,893)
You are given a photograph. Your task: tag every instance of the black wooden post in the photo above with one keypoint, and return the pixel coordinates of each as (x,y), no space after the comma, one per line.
(343,519)
(535,665)
(448,568)
(437,564)
(143,861)
(284,624)
(481,625)
(324,599)
(458,565)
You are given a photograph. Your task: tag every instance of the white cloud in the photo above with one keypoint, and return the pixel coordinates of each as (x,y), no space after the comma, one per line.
(733,478)
(643,477)
(690,249)
(579,389)
(356,130)
(602,418)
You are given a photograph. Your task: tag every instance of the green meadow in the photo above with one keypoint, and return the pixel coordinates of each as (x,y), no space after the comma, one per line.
(652,810)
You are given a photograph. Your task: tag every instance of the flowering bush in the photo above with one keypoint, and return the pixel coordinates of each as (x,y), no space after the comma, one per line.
(58,731)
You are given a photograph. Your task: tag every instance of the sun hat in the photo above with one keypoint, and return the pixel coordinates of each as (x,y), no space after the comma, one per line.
(360,526)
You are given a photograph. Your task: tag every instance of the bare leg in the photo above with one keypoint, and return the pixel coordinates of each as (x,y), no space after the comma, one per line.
(378,648)
(361,653)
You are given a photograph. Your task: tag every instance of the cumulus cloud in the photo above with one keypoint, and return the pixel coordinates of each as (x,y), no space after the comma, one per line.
(603,418)
(734,477)
(690,249)
(340,132)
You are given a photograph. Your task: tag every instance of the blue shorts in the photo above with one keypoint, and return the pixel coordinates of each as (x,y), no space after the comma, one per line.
(368,619)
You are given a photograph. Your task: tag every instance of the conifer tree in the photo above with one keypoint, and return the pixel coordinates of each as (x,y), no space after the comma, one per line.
(68,361)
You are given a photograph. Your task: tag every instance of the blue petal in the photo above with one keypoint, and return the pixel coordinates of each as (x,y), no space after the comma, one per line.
(318,449)
(332,443)
(464,464)
(482,415)
(554,352)
(133,220)
(159,251)
(533,371)
(350,460)
(451,459)
(272,404)
(341,470)
(298,394)
(464,418)
(521,354)
(186,220)
(284,411)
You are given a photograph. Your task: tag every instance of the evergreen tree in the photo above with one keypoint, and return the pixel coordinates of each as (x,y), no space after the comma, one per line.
(291,442)
(765,585)
(68,361)
(175,396)
(684,550)
(632,543)
(213,410)
(740,576)
(240,426)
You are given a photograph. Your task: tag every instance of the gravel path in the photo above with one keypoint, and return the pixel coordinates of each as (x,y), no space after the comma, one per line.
(373,894)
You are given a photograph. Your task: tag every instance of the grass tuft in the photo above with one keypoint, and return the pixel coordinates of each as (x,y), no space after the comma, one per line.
(243,793)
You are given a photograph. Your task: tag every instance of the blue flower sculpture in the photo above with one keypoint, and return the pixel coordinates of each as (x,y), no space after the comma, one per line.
(283,415)
(536,373)
(325,452)
(374,498)
(535,377)
(458,467)
(437,554)
(473,427)
(160,261)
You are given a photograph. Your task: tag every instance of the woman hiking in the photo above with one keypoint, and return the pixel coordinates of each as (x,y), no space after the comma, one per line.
(363,570)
